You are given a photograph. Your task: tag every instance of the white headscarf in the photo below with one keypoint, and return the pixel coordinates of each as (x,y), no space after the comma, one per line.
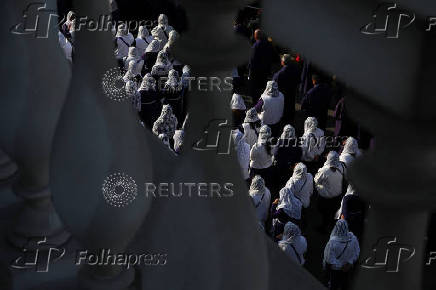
(143,32)
(178,140)
(122,30)
(272,89)
(162,58)
(237,102)
(290,232)
(148,83)
(290,204)
(162,21)
(288,132)
(257,187)
(166,123)
(298,178)
(173,81)
(154,46)
(159,34)
(264,134)
(342,248)
(69,22)
(186,73)
(310,125)
(333,160)
(131,71)
(251,116)
(351,147)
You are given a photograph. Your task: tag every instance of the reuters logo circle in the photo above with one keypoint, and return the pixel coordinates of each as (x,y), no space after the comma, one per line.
(119,189)
(113,85)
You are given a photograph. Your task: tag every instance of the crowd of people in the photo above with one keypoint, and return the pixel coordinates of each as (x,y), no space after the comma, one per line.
(154,80)
(291,170)
(289,167)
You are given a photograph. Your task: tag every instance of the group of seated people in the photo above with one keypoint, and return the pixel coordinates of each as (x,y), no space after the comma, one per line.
(154,81)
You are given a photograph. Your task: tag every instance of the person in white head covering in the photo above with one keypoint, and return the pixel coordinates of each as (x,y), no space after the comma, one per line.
(178,137)
(134,56)
(350,152)
(143,39)
(159,35)
(293,243)
(123,39)
(286,208)
(151,105)
(66,46)
(288,154)
(330,184)
(162,21)
(301,184)
(186,74)
(314,142)
(330,178)
(261,156)
(132,73)
(172,93)
(68,28)
(132,92)
(162,65)
(340,254)
(243,152)
(166,123)
(151,53)
(238,107)
(251,127)
(270,106)
(261,197)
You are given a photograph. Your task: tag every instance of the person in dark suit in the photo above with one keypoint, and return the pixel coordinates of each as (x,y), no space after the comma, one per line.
(288,78)
(316,102)
(262,57)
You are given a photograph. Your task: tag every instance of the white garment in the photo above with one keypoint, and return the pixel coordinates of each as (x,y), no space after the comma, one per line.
(259,157)
(262,204)
(299,243)
(329,183)
(237,102)
(290,204)
(313,145)
(335,248)
(122,49)
(250,135)
(243,152)
(272,110)
(142,44)
(302,190)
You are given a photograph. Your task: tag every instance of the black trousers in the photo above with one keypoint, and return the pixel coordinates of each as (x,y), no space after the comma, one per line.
(338,280)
